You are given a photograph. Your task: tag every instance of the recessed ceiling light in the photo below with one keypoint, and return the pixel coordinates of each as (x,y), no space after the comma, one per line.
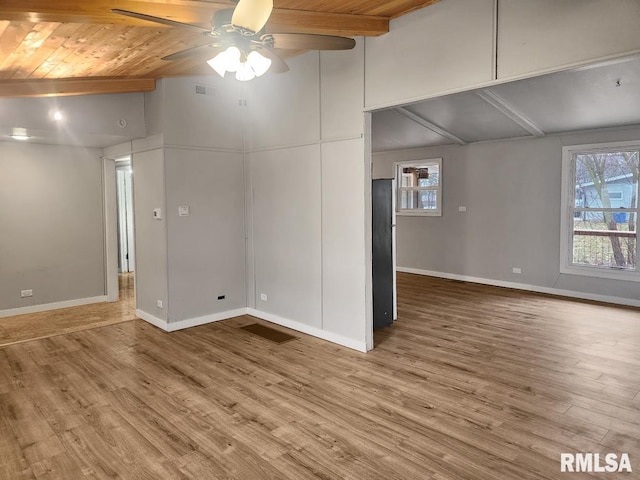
(57,116)
(20,137)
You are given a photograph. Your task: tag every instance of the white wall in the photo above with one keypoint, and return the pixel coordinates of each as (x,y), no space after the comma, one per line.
(51,235)
(205,121)
(284,110)
(512,193)
(343,234)
(307,182)
(200,156)
(445,47)
(457,45)
(63,177)
(287,231)
(206,249)
(150,234)
(546,35)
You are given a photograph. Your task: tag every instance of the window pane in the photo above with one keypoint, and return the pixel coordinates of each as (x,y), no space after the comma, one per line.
(427,199)
(606,180)
(419,200)
(405,198)
(427,175)
(605,239)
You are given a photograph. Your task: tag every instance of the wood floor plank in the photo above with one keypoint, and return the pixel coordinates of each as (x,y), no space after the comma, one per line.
(25,328)
(471,383)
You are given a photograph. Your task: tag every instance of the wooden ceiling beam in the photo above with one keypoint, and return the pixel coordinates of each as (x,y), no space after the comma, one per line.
(74,86)
(299,21)
(187,11)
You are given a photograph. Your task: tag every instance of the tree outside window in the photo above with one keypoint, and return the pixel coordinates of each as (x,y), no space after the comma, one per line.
(601,190)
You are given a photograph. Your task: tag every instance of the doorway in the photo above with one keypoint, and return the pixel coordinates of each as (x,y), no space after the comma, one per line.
(125,229)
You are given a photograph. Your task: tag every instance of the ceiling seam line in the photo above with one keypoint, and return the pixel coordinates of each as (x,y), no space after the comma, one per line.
(429,125)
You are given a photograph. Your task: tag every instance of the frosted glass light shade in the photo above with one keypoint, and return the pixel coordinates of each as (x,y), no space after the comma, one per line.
(233,55)
(245,72)
(252,14)
(259,63)
(218,64)
(230,60)
(227,61)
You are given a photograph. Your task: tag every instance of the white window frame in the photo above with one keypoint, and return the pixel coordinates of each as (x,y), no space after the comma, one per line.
(568,202)
(437,212)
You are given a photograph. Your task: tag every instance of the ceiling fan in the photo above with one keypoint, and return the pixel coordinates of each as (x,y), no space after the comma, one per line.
(238,42)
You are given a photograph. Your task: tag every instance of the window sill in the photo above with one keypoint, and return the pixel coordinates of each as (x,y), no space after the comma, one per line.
(418,214)
(611,274)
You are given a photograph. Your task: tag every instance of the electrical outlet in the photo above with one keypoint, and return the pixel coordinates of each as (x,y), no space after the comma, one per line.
(159,304)
(263,297)
(517,270)
(26,293)
(462,208)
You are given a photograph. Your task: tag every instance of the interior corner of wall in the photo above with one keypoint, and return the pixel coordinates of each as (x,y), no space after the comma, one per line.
(149,143)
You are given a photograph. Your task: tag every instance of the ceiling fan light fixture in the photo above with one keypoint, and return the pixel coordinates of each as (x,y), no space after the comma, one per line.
(227,61)
(245,72)
(259,63)
(252,15)
(233,55)
(20,134)
(218,63)
(20,137)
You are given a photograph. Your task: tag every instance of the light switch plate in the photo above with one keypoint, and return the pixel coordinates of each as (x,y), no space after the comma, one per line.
(183,211)
(157,213)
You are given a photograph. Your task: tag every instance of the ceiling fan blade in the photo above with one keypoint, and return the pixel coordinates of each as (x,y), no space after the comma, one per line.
(209,50)
(303,41)
(252,14)
(278,65)
(164,21)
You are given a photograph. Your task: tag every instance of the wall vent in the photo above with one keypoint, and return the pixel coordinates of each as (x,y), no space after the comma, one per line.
(205,90)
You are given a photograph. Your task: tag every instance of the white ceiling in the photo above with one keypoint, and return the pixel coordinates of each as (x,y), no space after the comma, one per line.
(581,99)
(89,121)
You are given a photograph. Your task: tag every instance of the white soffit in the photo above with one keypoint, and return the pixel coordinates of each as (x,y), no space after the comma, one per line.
(392,131)
(468,117)
(587,98)
(581,99)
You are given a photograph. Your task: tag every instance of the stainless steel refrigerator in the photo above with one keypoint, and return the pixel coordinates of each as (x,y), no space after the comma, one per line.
(383,253)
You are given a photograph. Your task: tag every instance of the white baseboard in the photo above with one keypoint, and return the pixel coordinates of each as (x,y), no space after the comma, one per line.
(523,286)
(190,322)
(269,317)
(45,307)
(309,330)
(215,317)
(155,321)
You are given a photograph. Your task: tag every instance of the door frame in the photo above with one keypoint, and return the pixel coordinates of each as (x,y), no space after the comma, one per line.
(124,204)
(110,229)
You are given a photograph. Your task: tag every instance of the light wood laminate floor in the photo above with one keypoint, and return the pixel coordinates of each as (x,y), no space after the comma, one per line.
(32,326)
(471,383)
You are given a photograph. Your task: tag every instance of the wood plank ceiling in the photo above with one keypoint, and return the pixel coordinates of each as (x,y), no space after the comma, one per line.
(71,47)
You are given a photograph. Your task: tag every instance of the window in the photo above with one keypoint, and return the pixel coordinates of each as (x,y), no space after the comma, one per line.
(600,210)
(419,188)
